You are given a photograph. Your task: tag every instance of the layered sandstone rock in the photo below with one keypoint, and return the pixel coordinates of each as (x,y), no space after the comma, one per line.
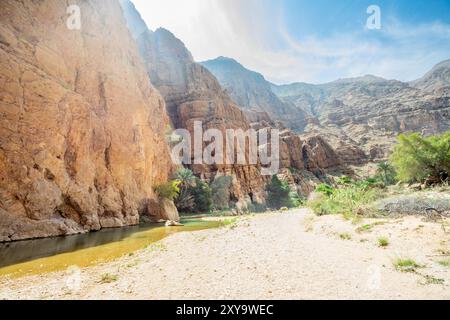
(253,92)
(81,142)
(193,94)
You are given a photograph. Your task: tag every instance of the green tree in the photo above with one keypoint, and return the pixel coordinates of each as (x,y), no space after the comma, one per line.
(387,173)
(417,158)
(202,196)
(278,194)
(185,201)
(186,177)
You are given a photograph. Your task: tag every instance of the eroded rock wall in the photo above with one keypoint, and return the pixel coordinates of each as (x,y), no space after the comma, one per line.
(81,127)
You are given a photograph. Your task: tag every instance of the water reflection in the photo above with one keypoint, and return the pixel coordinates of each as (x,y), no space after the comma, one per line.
(22,251)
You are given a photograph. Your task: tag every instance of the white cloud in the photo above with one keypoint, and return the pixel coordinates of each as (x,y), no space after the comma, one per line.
(252,33)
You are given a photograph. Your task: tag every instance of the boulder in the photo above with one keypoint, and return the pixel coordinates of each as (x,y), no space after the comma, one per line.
(163,209)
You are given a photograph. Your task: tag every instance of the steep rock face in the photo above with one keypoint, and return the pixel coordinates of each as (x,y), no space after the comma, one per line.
(253,93)
(80,123)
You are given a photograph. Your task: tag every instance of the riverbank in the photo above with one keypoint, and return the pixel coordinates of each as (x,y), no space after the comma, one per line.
(292,255)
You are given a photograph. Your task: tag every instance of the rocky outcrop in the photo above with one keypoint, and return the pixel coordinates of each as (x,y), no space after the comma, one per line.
(361,117)
(319,155)
(437,78)
(163,210)
(81,127)
(252,92)
(193,94)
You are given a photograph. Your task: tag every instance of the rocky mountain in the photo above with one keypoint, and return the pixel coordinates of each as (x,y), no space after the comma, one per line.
(81,128)
(252,92)
(366,114)
(436,79)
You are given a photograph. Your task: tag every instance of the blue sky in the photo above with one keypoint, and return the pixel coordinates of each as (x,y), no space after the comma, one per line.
(310,41)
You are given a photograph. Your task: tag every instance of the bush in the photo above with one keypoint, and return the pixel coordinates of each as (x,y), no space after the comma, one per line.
(168,190)
(417,158)
(348,200)
(220,189)
(202,196)
(279,194)
(325,189)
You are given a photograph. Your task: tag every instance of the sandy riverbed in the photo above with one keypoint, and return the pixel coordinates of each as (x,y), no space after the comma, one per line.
(292,255)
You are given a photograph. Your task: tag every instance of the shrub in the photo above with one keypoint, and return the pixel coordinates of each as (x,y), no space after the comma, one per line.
(325,189)
(220,189)
(406,265)
(295,200)
(278,194)
(347,200)
(202,196)
(383,242)
(168,190)
(344,180)
(416,158)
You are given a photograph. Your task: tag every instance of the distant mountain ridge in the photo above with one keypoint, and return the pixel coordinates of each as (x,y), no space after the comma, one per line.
(253,93)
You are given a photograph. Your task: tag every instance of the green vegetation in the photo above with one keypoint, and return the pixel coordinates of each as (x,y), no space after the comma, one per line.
(220,189)
(325,189)
(383,242)
(445,263)
(202,196)
(185,201)
(369,227)
(386,173)
(280,195)
(345,236)
(417,158)
(194,195)
(406,265)
(108,278)
(348,200)
(168,190)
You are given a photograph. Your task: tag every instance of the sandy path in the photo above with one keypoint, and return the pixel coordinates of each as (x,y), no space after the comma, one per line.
(273,256)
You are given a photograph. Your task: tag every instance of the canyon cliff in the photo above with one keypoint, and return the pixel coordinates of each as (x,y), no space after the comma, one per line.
(81,128)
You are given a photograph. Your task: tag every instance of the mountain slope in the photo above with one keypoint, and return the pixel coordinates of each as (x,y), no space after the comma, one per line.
(369,112)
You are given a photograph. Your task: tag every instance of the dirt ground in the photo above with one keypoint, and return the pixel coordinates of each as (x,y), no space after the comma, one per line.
(291,255)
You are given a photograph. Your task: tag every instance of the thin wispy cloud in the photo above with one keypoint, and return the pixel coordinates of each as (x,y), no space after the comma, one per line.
(256,33)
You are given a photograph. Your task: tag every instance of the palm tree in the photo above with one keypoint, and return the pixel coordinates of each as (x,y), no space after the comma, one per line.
(186,177)
(384,169)
(185,200)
